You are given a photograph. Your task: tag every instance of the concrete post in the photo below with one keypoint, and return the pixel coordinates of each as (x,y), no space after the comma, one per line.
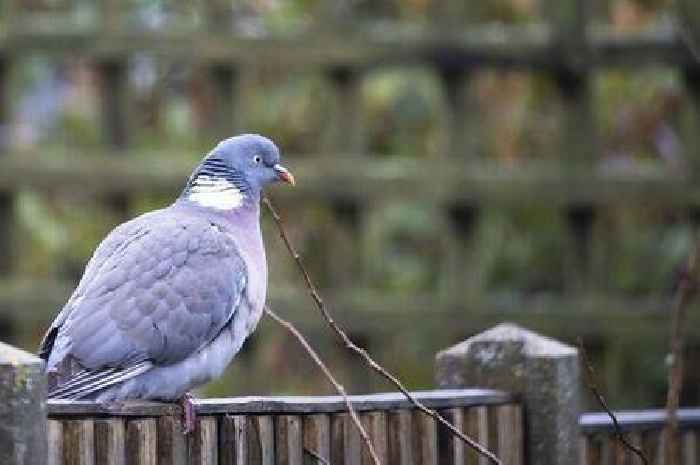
(23,437)
(544,372)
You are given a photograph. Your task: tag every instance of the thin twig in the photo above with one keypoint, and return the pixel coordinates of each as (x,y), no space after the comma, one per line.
(338,387)
(686,286)
(316,455)
(590,381)
(349,344)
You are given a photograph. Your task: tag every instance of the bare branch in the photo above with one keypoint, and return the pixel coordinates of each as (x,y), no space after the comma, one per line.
(338,387)
(369,361)
(686,286)
(590,381)
(316,456)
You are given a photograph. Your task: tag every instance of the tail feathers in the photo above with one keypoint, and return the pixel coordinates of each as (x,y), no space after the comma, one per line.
(87,382)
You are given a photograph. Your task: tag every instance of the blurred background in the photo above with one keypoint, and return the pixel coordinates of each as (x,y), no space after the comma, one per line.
(459,163)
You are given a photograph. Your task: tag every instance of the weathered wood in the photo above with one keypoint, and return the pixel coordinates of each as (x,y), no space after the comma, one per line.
(288,440)
(401,437)
(510,427)
(233,440)
(375,424)
(202,443)
(261,440)
(478,429)
(55,442)
(352,442)
(23,429)
(288,404)
(450,447)
(142,442)
(317,438)
(79,442)
(338,439)
(172,446)
(591,451)
(424,439)
(110,441)
(650,444)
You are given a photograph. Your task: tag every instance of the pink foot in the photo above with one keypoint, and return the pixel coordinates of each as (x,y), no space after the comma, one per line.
(189,416)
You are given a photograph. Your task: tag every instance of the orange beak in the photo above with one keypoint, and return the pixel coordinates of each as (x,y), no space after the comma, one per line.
(284,175)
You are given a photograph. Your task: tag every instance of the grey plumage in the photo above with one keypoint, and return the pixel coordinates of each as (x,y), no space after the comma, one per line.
(168,298)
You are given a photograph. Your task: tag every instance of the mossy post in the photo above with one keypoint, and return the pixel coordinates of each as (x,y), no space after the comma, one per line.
(542,371)
(23,437)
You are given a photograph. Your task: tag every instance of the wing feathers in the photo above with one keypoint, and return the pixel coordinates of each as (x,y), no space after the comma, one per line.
(94,381)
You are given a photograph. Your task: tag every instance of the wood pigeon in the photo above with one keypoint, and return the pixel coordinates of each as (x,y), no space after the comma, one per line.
(168,298)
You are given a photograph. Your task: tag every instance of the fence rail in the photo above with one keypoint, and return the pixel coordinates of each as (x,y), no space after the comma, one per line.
(382,44)
(644,429)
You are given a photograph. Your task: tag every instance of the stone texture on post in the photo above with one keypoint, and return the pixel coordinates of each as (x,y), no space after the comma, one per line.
(544,372)
(23,437)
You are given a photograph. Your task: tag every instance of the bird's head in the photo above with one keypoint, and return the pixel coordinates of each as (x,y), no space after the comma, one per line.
(235,172)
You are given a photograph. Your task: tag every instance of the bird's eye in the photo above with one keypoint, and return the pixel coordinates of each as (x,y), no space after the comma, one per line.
(257,159)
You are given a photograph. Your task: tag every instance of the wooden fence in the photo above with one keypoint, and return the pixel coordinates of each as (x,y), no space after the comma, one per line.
(644,429)
(284,430)
(358,186)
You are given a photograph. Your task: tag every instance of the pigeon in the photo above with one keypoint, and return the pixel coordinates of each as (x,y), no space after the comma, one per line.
(168,298)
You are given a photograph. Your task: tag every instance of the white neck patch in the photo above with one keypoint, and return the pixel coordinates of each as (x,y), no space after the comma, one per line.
(216,193)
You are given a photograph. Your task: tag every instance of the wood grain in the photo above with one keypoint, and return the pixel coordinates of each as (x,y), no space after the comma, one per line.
(316,438)
(142,442)
(79,442)
(110,441)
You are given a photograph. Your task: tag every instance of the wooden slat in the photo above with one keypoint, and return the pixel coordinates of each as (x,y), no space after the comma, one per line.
(425,439)
(352,442)
(172,447)
(401,437)
(451,448)
(55,442)
(78,442)
(317,438)
(202,443)
(635,438)
(510,434)
(110,441)
(338,438)
(591,453)
(288,440)
(233,440)
(261,440)
(376,425)
(142,442)
(477,429)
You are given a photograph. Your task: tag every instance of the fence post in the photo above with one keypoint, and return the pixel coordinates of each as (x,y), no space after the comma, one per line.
(23,437)
(543,371)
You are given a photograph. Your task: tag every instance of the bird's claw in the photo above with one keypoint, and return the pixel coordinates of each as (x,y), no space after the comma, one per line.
(189,416)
